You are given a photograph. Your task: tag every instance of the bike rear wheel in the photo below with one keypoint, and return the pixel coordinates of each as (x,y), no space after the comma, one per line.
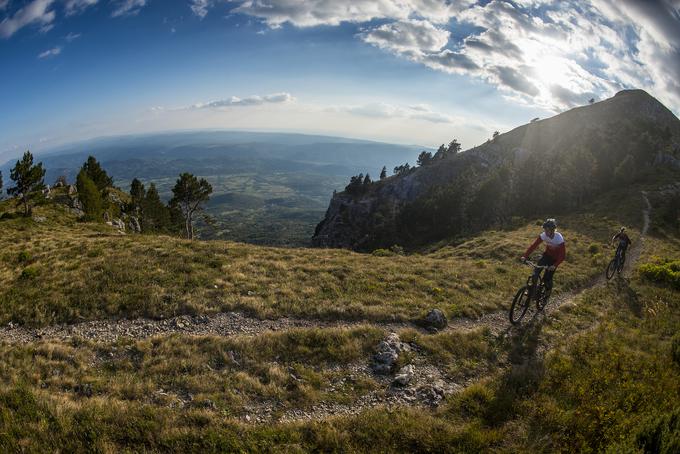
(520,304)
(611,269)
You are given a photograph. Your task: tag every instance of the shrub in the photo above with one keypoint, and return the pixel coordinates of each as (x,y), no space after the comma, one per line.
(675,348)
(665,272)
(23,257)
(397,249)
(29,273)
(594,249)
(383,253)
(661,434)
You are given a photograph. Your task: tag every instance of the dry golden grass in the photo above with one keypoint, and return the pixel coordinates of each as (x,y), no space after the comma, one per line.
(65,271)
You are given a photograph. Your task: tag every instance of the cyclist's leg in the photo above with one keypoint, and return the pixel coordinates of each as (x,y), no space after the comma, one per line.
(537,271)
(547,275)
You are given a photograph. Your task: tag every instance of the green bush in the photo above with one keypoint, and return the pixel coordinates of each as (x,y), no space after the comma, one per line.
(397,249)
(29,273)
(661,435)
(23,257)
(383,253)
(594,249)
(666,272)
(675,348)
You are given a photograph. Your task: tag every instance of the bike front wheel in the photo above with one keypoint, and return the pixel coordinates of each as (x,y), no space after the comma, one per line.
(611,269)
(520,304)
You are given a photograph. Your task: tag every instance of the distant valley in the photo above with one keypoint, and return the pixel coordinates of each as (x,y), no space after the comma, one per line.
(269,188)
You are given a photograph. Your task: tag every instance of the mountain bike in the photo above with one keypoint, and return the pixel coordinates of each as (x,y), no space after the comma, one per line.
(533,290)
(616,265)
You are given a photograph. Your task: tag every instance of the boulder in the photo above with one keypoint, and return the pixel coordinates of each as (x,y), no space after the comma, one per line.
(404,376)
(435,319)
(133,225)
(76,203)
(388,354)
(120,225)
(72,190)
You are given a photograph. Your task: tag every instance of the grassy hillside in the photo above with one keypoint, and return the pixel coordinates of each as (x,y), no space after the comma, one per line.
(599,373)
(72,271)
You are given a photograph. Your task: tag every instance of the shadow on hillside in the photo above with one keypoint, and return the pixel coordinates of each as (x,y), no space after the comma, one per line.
(628,295)
(525,372)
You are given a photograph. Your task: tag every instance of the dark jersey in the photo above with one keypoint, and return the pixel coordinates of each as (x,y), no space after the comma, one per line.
(623,238)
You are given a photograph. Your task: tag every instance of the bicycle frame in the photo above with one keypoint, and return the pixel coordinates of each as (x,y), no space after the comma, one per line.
(534,280)
(534,290)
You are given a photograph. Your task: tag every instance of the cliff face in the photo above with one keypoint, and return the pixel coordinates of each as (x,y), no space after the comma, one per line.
(631,120)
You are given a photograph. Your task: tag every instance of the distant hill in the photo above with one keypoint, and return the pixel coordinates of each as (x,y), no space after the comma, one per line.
(269,188)
(222,153)
(547,166)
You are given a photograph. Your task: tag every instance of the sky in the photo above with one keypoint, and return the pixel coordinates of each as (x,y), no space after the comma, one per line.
(405,71)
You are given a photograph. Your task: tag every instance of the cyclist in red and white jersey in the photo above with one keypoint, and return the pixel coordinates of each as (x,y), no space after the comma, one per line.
(554,254)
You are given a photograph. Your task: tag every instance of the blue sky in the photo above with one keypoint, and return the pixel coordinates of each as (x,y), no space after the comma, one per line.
(408,71)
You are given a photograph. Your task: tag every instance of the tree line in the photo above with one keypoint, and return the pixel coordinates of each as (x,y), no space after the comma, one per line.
(94,185)
(360,184)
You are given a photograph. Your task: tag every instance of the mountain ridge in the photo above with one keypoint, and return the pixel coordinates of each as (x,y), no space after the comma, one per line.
(597,138)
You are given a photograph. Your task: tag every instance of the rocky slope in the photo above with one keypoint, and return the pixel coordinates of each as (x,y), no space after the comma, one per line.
(630,123)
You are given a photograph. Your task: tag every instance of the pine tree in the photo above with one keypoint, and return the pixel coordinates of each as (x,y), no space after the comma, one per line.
(367,180)
(398,170)
(155,215)
(97,174)
(424,158)
(454,147)
(28,179)
(89,196)
(383,173)
(355,186)
(189,193)
(137,193)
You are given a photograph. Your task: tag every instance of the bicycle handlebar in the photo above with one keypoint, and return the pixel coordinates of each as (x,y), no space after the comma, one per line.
(532,264)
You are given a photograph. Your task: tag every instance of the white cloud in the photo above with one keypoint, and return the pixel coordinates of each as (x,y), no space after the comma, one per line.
(128,7)
(50,52)
(547,54)
(200,7)
(310,13)
(391,111)
(407,36)
(36,12)
(4,4)
(78,6)
(72,37)
(322,12)
(234,101)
